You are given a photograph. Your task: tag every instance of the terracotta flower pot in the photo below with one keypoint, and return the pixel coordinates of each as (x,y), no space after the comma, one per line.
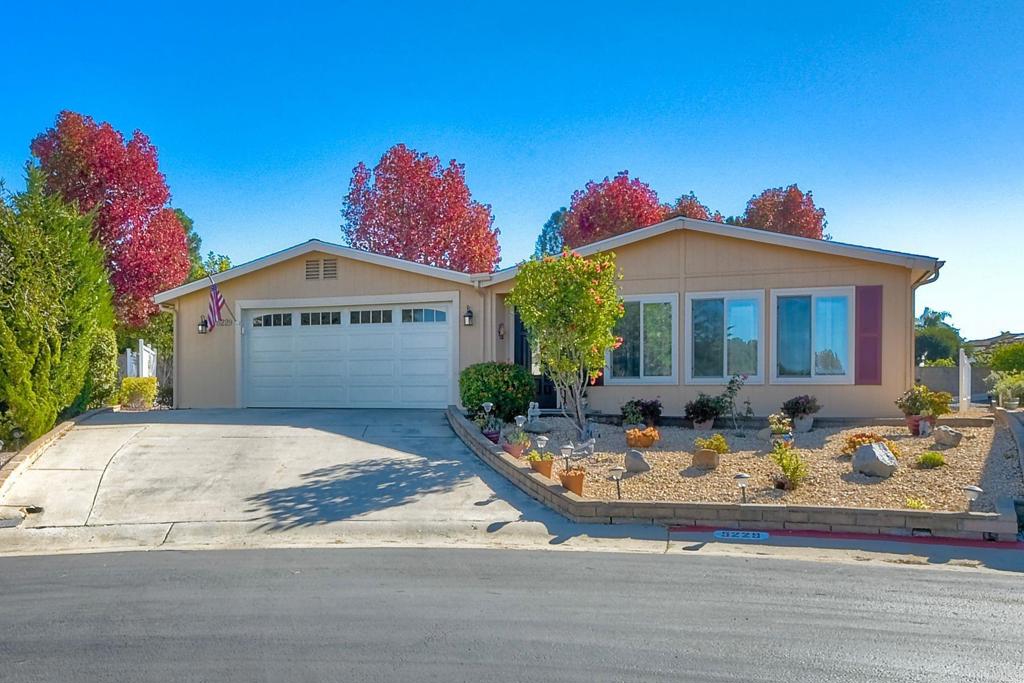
(573,481)
(914,423)
(493,436)
(542,466)
(514,449)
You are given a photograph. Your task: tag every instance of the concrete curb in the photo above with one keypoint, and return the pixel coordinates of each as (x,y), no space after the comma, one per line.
(28,455)
(998,526)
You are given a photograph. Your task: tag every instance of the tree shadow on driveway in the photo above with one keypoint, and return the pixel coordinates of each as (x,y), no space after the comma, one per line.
(349,490)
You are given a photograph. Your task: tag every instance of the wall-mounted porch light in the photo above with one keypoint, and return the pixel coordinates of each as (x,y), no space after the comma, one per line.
(203,327)
(467,317)
(501,331)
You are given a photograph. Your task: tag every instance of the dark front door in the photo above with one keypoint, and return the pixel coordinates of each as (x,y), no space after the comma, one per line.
(544,388)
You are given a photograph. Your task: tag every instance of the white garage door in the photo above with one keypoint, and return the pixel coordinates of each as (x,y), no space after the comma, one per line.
(390,356)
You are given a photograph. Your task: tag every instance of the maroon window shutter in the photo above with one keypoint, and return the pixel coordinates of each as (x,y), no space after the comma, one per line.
(868,353)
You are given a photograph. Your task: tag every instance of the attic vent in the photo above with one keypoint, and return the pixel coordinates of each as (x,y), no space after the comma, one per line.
(330,269)
(313,269)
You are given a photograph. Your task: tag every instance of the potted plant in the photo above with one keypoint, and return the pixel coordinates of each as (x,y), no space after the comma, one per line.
(642,438)
(516,441)
(801,410)
(572,479)
(921,403)
(702,411)
(490,426)
(541,462)
(781,428)
(632,418)
(1009,386)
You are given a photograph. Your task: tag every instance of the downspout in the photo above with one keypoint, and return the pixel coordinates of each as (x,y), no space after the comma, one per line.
(926,279)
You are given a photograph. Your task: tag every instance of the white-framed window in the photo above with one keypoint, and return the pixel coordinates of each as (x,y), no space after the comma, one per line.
(376,316)
(649,331)
(813,335)
(724,336)
(320,318)
(424,315)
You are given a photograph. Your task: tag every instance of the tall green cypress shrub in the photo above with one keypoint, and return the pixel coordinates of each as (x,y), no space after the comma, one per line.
(54,296)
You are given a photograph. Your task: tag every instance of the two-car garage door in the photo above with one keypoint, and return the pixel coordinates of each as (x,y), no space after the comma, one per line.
(386,356)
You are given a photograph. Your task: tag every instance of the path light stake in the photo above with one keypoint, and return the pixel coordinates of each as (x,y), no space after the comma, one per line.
(487,406)
(616,475)
(542,441)
(520,421)
(17,434)
(741,481)
(567,454)
(972,493)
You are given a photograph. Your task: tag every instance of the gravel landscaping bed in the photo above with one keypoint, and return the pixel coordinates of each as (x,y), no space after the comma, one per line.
(986,457)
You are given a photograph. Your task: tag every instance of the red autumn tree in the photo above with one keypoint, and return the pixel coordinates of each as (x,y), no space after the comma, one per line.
(786,210)
(411,207)
(91,163)
(688,206)
(610,207)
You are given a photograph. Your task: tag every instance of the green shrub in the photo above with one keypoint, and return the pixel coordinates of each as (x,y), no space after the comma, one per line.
(165,396)
(54,295)
(794,469)
(641,411)
(715,442)
(1008,357)
(138,393)
(100,387)
(704,408)
(1008,384)
(930,459)
(509,387)
(939,363)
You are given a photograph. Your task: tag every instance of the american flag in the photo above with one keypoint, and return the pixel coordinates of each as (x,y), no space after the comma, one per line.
(216,302)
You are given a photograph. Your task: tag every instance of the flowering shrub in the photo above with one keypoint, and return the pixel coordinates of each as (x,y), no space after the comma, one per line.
(780,423)
(855,441)
(920,400)
(715,442)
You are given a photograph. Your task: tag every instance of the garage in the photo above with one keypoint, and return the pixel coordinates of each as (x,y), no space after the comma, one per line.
(369,356)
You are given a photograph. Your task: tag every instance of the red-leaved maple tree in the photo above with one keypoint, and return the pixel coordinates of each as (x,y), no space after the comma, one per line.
(688,206)
(411,207)
(610,207)
(786,210)
(91,163)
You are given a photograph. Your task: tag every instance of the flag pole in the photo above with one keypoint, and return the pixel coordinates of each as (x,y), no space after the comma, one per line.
(230,312)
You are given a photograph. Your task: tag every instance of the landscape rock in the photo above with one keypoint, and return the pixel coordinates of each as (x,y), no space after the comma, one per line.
(636,462)
(947,436)
(764,434)
(536,427)
(705,459)
(874,460)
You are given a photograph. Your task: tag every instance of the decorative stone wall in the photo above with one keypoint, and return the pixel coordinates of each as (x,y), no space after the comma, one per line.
(1000,525)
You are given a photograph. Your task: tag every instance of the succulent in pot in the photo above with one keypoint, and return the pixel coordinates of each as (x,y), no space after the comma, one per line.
(801,410)
(516,441)
(919,403)
(703,410)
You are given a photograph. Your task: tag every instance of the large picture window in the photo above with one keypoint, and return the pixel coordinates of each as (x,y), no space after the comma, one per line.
(724,336)
(648,351)
(813,335)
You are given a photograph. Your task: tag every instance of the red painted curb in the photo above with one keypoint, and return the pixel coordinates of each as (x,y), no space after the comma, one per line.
(850,536)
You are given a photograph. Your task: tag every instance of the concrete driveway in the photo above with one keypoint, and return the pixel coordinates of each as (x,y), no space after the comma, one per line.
(274,470)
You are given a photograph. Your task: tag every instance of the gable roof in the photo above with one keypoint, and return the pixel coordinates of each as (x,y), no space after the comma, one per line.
(896,258)
(306,248)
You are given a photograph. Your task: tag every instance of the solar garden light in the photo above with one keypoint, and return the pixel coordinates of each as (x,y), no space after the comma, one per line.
(616,475)
(972,493)
(741,481)
(487,406)
(542,441)
(567,453)
(17,434)
(520,421)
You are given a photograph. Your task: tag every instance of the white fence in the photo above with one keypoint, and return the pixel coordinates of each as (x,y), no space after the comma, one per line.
(138,363)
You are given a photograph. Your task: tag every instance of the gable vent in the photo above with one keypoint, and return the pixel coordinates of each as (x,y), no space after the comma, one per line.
(330,269)
(313,269)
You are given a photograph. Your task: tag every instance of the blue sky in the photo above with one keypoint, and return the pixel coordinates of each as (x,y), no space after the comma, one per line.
(905,119)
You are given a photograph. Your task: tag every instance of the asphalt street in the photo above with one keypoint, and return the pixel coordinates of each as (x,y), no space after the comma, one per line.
(484,615)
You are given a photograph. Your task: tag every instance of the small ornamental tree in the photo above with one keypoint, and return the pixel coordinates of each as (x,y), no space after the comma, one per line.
(787,210)
(570,305)
(688,206)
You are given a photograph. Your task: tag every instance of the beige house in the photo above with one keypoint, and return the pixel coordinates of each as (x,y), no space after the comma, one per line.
(322,325)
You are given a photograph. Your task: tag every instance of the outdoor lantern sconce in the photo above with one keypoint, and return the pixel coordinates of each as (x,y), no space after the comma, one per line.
(467,318)
(203,327)
(616,475)
(501,331)
(741,481)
